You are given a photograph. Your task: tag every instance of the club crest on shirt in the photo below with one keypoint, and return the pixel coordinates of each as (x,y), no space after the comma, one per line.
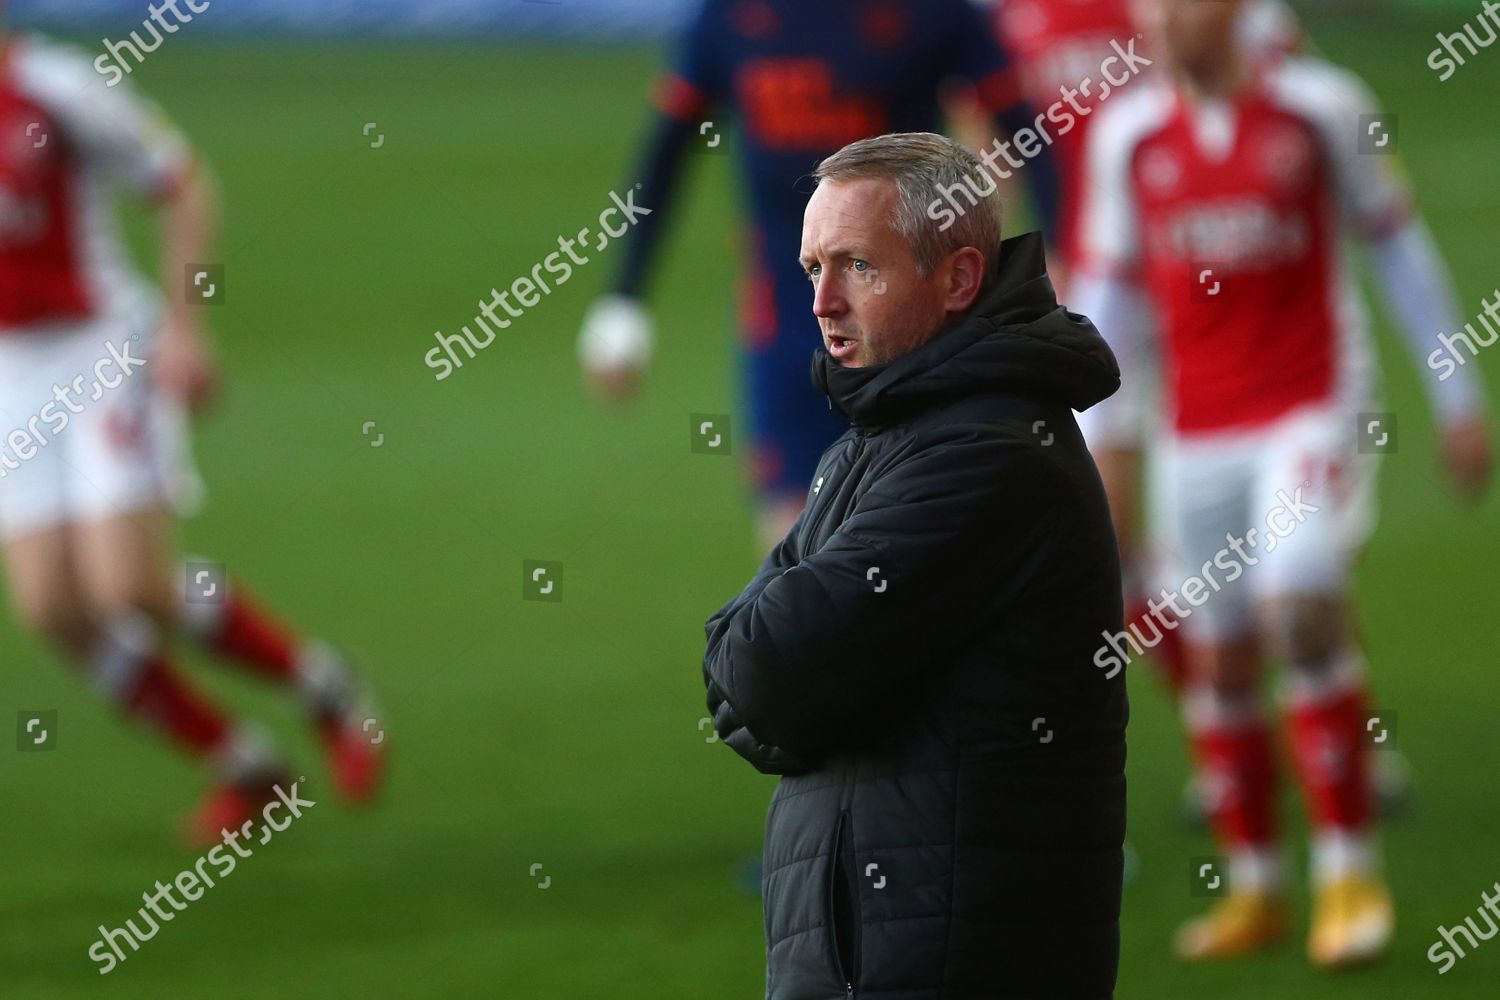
(1161,171)
(1286,159)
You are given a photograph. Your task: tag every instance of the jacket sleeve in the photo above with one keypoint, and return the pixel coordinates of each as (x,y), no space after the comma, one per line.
(729,726)
(765,759)
(808,650)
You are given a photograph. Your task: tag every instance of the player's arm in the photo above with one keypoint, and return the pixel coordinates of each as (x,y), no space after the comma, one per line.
(1108,290)
(615,342)
(1115,428)
(187,212)
(1414,280)
(123,136)
(827,646)
(1417,287)
(614,345)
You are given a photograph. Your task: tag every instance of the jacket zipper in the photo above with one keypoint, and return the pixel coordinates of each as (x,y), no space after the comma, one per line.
(841,845)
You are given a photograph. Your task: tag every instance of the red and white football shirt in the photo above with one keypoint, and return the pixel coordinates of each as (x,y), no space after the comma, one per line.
(66,141)
(1234,217)
(1060,44)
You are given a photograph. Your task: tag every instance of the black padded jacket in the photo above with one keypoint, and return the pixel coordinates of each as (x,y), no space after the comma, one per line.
(916,658)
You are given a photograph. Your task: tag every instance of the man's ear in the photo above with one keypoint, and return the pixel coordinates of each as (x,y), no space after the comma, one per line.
(965,276)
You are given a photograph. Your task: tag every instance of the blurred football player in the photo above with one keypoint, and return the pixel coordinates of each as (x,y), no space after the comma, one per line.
(96,370)
(1062,49)
(1221,200)
(800,81)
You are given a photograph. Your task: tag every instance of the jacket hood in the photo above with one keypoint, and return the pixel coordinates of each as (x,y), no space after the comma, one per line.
(1015,339)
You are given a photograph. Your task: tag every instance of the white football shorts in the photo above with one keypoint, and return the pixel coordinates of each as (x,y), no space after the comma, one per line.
(83,435)
(1297,494)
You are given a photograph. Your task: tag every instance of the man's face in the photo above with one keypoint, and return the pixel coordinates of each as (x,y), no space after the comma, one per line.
(870,303)
(1200,34)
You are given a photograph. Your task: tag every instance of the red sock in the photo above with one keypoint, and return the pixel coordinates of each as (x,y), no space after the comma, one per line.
(249,636)
(1235,757)
(160,698)
(1328,748)
(1168,655)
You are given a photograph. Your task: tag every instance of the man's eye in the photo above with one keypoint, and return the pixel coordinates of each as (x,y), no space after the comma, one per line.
(813,272)
(861,266)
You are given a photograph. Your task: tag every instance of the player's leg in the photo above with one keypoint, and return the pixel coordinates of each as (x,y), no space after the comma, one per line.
(1304,603)
(1326,698)
(229,624)
(45,596)
(42,505)
(126,455)
(122,563)
(126,489)
(1120,469)
(1202,503)
(119,655)
(44,591)
(234,628)
(118,493)
(792,424)
(1230,735)
(1117,430)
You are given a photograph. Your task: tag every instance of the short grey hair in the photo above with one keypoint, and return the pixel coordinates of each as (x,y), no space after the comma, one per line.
(927,169)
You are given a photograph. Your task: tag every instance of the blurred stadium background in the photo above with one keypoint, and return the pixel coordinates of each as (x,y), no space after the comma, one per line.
(565,734)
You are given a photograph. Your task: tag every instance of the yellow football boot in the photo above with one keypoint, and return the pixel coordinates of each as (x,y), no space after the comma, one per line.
(1238,924)
(1353,921)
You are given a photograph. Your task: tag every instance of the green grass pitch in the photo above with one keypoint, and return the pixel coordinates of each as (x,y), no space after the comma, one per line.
(565,734)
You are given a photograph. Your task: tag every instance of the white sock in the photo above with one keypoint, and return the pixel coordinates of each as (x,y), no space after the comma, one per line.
(1338,854)
(202,620)
(325,680)
(1257,869)
(126,643)
(247,755)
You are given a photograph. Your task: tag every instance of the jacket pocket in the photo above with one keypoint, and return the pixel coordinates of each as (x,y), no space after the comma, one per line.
(843,905)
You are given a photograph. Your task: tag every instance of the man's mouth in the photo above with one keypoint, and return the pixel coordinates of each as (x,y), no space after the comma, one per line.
(840,348)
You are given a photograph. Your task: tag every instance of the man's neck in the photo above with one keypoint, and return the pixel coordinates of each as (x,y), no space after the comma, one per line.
(1217,82)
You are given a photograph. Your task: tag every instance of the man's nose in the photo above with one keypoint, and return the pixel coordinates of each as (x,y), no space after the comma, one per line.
(828,299)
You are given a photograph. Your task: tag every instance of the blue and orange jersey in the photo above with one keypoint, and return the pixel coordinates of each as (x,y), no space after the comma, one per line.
(798,81)
(802,80)
(782,84)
